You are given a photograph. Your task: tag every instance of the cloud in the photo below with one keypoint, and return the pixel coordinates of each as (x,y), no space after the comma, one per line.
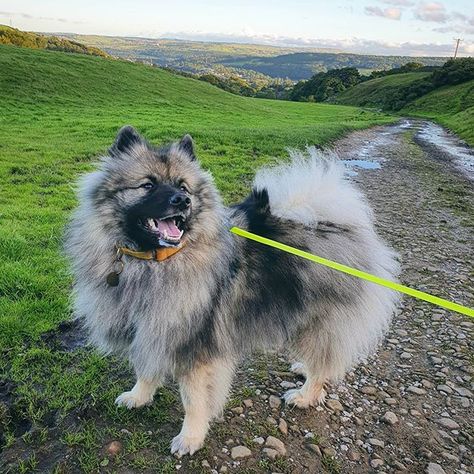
(390,13)
(433,11)
(399,3)
(43,18)
(459,23)
(350,45)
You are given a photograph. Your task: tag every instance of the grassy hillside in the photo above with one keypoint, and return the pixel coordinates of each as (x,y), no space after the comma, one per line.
(451,106)
(26,39)
(57,113)
(373,93)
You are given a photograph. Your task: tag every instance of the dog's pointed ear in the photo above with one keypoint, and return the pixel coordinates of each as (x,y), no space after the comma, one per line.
(126,138)
(186,144)
(261,200)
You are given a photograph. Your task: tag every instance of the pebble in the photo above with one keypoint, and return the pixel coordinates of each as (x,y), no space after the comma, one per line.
(259,440)
(248,403)
(416,390)
(240,452)
(353,455)
(274,401)
(444,388)
(405,355)
(314,448)
(375,463)
(114,448)
(390,418)
(286,384)
(334,405)
(283,426)
(276,444)
(328,451)
(368,390)
(376,442)
(270,453)
(448,423)
(434,468)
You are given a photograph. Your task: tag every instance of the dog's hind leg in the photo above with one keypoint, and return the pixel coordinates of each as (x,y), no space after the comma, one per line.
(203,392)
(141,394)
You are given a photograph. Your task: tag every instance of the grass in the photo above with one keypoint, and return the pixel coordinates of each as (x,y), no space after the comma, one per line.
(58,112)
(373,93)
(451,106)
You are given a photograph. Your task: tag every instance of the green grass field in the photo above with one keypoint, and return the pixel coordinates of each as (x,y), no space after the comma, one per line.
(374,92)
(451,106)
(58,112)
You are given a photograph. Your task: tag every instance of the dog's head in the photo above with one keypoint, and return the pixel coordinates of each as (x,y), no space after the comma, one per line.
(154,196)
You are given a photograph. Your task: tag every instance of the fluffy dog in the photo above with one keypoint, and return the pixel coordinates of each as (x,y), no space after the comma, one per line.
(160,279)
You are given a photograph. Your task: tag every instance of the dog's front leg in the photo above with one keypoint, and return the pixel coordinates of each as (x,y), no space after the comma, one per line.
(203,391)
(141,394)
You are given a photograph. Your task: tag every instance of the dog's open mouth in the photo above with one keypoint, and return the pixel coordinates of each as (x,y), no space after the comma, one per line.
(169,230)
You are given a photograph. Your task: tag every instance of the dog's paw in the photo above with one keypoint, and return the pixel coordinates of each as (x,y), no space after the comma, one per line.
(296,398)
(298,368)
(132,400)
(301,399)
(183,444)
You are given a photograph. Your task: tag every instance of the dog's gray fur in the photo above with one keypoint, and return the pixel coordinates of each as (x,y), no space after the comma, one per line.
(194,316)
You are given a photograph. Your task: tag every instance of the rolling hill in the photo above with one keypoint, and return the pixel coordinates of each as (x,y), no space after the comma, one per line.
(15,37)
(451,106)
(375,92)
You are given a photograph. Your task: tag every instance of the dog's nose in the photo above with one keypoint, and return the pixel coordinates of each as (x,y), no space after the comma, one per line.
(180,200)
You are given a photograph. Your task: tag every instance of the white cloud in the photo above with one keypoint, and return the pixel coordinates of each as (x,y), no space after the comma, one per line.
(27,16)
(433,11)
(399,3)
(390,13)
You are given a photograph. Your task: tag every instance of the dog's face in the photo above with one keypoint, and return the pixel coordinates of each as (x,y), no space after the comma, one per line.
(155,196)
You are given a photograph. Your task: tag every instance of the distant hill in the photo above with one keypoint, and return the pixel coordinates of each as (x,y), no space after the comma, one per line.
(297,66)
(199,57)
(13,36)
(376,92)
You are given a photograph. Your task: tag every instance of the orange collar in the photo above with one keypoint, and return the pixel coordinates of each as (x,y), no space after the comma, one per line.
(159,254)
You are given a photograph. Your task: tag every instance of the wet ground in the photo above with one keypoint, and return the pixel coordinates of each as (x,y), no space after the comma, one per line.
(442,143)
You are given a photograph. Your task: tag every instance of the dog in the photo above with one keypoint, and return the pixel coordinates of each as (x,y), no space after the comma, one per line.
(159,279)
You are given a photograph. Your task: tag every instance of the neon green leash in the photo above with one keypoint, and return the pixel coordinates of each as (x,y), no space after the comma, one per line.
(357,273)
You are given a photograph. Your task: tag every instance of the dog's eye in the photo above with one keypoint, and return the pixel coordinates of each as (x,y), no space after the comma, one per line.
(147,185)
(184,188)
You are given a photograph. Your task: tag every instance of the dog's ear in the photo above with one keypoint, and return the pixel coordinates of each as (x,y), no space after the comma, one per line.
(186,144)
(126,138)
(261,200)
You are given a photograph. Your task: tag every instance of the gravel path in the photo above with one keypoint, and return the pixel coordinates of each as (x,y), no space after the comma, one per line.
(410,408)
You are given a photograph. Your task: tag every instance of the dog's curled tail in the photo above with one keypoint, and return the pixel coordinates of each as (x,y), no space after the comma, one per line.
(312,187)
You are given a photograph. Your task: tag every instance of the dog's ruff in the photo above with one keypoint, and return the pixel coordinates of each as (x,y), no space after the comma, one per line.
(194,316)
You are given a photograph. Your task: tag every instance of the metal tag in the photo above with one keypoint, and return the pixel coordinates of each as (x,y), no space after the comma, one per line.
(113,279)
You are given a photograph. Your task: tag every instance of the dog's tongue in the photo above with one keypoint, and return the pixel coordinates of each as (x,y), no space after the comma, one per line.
(170,227)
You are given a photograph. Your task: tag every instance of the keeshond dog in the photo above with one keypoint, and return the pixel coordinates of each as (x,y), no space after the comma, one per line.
(161,280)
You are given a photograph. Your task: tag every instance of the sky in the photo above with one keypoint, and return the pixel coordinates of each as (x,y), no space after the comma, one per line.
(412,27)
